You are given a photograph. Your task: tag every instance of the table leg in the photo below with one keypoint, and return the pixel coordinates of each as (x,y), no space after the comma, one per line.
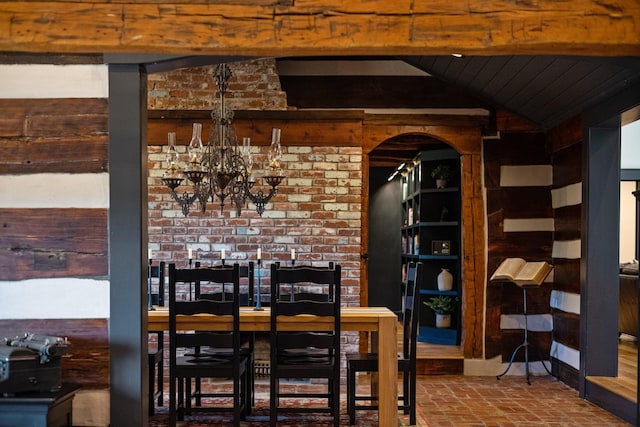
(387,371)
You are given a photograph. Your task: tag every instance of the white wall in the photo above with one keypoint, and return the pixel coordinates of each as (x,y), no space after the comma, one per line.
(630,152)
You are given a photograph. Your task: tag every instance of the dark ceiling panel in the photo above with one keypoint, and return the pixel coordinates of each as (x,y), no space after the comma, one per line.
(544,89)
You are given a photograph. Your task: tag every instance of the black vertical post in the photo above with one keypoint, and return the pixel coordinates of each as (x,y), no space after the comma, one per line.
(637,194)
(127,242)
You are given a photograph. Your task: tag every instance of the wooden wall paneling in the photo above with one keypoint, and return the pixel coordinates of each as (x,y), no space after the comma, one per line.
(533,245)
(565,135)
(53,135)
(517,148)
(568,224)
(537,299)
(493,332)
(565,373)
(566,275)
(43,243)
(87,361)
(520,202)
(567,165)
(247,28)
(566,328)
(56,155)
(512,338)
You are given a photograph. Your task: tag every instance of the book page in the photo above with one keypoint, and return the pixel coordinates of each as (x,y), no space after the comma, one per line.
(533,273)
(508,269)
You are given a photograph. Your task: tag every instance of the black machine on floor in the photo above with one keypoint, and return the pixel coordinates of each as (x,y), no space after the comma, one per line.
(31,363)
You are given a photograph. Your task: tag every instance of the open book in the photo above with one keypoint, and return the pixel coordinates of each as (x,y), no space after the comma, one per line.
(521,272)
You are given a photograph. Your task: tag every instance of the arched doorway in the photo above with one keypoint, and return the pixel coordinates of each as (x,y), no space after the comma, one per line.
(466,141)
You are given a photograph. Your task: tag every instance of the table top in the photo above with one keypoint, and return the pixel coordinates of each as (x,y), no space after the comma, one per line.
(351,319)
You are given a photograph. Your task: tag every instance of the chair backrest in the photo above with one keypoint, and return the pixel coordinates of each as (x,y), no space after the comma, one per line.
(411,310)
(157,272)
(246,298)
(229,308)
(327,337)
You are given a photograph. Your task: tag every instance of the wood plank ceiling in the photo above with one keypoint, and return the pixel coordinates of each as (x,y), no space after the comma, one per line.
(543,89)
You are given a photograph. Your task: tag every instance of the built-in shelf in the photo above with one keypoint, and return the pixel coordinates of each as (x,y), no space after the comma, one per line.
(431,234)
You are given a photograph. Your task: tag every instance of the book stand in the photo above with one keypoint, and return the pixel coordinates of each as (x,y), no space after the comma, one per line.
(525,344)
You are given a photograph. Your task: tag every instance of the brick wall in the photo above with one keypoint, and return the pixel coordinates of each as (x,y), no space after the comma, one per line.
(316,211)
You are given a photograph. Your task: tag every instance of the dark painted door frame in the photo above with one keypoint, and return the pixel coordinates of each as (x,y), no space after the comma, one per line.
(599,266)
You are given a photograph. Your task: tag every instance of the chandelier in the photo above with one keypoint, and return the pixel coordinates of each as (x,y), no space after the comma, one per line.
(222,168)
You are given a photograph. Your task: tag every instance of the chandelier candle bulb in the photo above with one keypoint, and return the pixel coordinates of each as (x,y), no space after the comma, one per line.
(293,254)
(259,256)
(190,253)
(149,254)
(222,254)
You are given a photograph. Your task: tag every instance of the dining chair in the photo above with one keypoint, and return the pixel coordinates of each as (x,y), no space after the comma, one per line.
(155,356)
(305,354)
(219,292)
(368,362)
(223,359)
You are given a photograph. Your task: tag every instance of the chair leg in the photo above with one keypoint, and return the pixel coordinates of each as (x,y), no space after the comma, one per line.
(335,392)
(151,385)
(273,414)
(161,381)
(351,395)
(412,397)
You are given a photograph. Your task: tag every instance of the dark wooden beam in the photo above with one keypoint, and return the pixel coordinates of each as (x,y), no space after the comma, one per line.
(375,92)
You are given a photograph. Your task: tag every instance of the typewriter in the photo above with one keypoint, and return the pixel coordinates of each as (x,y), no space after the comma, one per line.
(31,363)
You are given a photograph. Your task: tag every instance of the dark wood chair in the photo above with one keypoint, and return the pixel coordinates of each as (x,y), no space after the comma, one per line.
(313,354)
(368,362)
(223,359)
(155,355)
(220,292)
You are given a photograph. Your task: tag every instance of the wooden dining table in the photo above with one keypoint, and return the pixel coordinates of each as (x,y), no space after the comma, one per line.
(374,320)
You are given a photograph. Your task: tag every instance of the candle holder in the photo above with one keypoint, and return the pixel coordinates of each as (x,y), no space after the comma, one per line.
(149,304)
(258,306)
(293,263)
(190,264)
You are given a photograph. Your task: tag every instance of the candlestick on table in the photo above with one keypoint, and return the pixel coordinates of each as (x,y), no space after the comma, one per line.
(258,306)
(149,305)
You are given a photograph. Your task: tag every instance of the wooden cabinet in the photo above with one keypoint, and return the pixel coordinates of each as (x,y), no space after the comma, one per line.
(431,233)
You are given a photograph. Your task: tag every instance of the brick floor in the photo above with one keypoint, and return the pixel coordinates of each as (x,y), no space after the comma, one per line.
(486,401)
(465,401)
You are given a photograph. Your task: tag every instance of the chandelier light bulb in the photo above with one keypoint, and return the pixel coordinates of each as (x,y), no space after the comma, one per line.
(195,147)
(173,158)
(275,151)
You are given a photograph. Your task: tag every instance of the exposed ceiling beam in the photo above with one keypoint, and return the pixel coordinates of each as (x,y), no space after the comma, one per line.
(287,28)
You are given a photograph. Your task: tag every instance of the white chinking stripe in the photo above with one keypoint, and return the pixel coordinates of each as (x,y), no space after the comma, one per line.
(528,224)
(567,249)
(526,176)
(565,301)
(570,195)
(18,81)
(535,322)
(55,190)
(566,354)
(57,298)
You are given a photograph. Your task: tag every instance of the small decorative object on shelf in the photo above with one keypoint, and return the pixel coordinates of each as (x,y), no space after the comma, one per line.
(441,173)
(445,280)
(441,247)
(443,307)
